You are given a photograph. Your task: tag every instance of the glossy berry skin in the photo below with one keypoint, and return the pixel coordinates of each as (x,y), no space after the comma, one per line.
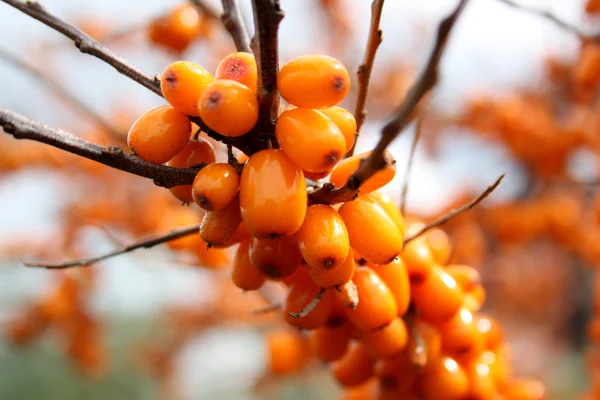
(467,277)
(419,260)
(444,380)
(182,83)
(355,367)
(376,307)
(482,384)
(177,30)
(313,81)
(194,153)
(345,121)
(347,167)
(286,351)
(159,135)
(218,227)
(323,238)
(240,67)
(438,297)
(386,341)
(215,186)
(440,246)
(310,139)
(490,329)
(460,337)
(390,208)
(301,294)
(330,342)
(273,195)
(372,232)
(245,275)
(276,258)
(228,107)
(333,277)
(395,277)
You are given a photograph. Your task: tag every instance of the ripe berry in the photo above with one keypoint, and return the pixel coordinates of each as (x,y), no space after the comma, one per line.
(276,258)
(286,352)
(301,294)
(390,208)
(347,167)
(228,107)
(460,337)
(440,246)
(330,342)
(240,67)
(395,276)
(438,297)
(333,277)
(194,153)
(355,367)
(215,186)
(386,341)
(182,83)
(418,258)
(272,195)
(444,380)
(345,121)
(310,139)
(245,275)
(313,81)
(159,135)
(218,227)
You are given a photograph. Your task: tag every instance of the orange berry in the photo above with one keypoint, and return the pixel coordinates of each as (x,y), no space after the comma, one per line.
(355,367)
(272,194)
(315,176)
(178,29)
(444,380)
(241,234)
(333,277)
(276,258)
(438,297)
(245,275)
(372,232)
(310,139)
(228,107)
(218,227)
(215,186)
(194,153)
(467,277)
(418,258)
(482,385)
(387,341)
(323,238)
(313,81)
(432,339)
(286,352)
(330,342)
(211,257)
(347,167)
(592,6)
(490,329)
(390,208)
(159,135)
(395,277)
(240,67)
(301,294)
(460,337)
(345,121)
(440,246)
(397,373)
(376,306)
(182,83)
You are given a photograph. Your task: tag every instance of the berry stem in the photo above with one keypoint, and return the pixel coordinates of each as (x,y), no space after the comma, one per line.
(309,307)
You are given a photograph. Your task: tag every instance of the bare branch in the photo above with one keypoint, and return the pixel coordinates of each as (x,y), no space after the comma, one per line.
(411,157)
(364,70)
(400,119)
(233,22)
(144,244)
(309,307)
(267,309)
(21,127)
(78,105)
(267,16)
(205,9)
(455,212)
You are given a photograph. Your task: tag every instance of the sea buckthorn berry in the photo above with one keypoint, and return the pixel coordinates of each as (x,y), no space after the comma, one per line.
(240,67)
(438,297)
(300,296)
(287,352)
(313,81)
(241,234)
(387,341)
(245,275)
(390,208)
(440,246)
(376,306)
(467,277)
(395,277)
(460,337)
(182,83)
(418,258)
(159,135)
(272,195)
(482,385)
(323,238)
(178,29)
(228,107)
(345,121)
(333,277)
(211,257)
(490,329)
(372,232)
(218,227)
(347,167)
(330,342)
(444,380)
(397,373)
(355,367)
(310,139)
(215,186)
(194,153)
(276,258)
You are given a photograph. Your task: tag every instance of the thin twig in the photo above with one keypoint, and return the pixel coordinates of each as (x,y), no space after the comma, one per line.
(144,244)
(21,127)
(206,9)
(455,212)
(400,118)
(267,16)
(309,307)
(417,347)
(411,157)
(78,105)
(234,23)
(364,70)
(267,309)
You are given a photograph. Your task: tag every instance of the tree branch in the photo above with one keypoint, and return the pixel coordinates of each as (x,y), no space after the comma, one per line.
(144,244)
(21,127)
(364,70)
(233,22)
(411,157)
(400,119)
(457,211)
(267,16)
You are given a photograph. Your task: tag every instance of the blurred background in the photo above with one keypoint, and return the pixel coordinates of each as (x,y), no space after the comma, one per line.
(518,95)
